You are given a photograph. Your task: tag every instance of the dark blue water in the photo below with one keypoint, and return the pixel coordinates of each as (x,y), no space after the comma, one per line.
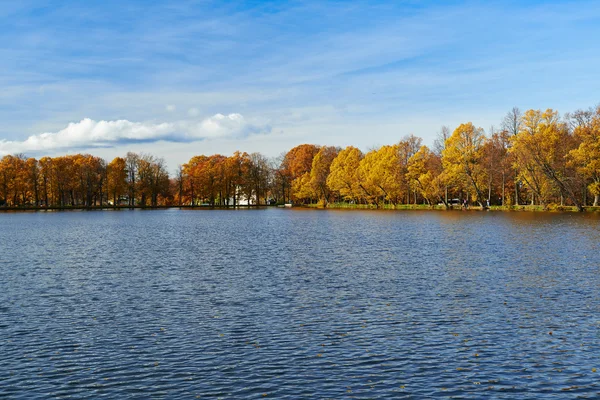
(299,303)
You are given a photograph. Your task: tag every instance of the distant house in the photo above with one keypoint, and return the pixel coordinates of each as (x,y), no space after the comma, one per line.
(242,199)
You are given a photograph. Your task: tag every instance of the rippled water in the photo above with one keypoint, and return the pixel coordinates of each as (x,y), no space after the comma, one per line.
(297,303)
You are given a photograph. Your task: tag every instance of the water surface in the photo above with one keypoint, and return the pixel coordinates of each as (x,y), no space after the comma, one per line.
(299,303)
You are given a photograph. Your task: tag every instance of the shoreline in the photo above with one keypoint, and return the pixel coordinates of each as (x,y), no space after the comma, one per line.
(552,208)
(520,208)
(116,208)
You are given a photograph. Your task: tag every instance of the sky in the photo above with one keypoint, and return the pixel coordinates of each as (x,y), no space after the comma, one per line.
(184,78)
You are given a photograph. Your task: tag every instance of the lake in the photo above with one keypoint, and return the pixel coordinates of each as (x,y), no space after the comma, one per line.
(292,303)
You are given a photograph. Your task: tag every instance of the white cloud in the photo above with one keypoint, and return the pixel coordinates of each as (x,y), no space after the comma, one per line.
(219,124)
(170,108)
(193,112)
(88,133)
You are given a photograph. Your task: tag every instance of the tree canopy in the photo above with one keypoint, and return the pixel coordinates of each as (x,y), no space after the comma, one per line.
(537,157)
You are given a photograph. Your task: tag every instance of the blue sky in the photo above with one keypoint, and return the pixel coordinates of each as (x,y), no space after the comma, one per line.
(182,78)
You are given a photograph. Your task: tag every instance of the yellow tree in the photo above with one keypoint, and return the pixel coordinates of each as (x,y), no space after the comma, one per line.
(301,188)
(343,175)
(462,158)
(319,172)
(499,166)
(296,163)
(511,126)
(425,171)
(380,175)
(406,148)
(544,141)
(586,157)
(528,171)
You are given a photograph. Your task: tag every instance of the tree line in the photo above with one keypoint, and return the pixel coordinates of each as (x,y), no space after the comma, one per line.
(536,157)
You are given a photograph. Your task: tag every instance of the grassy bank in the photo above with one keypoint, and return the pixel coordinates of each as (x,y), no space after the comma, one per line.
(530,208)
(108,207)
(374,207)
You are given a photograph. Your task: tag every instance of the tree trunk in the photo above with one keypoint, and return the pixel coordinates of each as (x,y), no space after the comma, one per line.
(503,188)
(180,191)
(477,191)
(445,201)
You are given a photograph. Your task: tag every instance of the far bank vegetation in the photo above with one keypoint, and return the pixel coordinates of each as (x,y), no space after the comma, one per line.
(535,158)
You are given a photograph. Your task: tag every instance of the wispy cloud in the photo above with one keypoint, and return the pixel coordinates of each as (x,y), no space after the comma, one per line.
(88,133)
(370,72)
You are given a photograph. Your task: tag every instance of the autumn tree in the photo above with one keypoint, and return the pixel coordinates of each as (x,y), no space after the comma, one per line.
(209,174)
(46,172)
(367,181)
(33,180)
(544,142)
(7,177)
(259,173)
(191,172)
(380,175)
(153,179)
(511,124)
(131,165)
(498,165)
(426,172)
(301,189)
(237,169)
(439,144)
(462,158)
(320,171)
(406,148)
(117,179)
(281,185)
(178,184)
(586,157)
(343,176)
(90,175)
(296,166)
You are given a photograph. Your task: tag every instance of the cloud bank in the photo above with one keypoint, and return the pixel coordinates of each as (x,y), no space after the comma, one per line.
(88,133)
